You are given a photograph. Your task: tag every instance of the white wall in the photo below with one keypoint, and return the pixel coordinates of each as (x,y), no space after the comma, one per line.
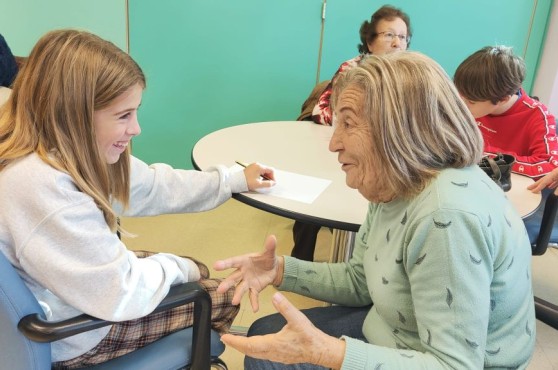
(546,82)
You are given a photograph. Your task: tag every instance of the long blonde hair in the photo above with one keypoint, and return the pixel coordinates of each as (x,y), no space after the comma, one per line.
(418,122)
(69,75)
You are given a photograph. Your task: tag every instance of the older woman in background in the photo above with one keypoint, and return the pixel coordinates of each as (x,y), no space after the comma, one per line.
(440,274)
(388,30)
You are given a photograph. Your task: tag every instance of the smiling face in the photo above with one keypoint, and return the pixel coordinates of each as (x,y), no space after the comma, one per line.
(116,124)
(381,44)
(352,142)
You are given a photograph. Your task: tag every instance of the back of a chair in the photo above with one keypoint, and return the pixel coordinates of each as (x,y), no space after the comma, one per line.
(311,101)
(16,301)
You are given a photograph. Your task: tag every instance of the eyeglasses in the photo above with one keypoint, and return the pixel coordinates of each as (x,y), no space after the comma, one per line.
(388,36)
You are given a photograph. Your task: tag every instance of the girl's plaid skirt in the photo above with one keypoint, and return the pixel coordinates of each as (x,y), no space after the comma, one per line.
(127,336)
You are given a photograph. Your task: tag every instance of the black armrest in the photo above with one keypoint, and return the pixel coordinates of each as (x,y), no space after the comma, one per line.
(547,224)
(39,330)
(546,312)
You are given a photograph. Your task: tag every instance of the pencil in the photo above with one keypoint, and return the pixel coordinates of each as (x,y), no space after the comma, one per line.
(245,165)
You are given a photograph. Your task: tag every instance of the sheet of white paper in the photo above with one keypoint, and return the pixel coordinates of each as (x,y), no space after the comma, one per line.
(297,187)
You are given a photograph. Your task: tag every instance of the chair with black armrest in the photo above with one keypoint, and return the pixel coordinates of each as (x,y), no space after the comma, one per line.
(543,232)
(541,226)
(25,334)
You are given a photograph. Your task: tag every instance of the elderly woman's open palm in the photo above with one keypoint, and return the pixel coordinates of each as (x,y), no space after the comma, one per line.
(254,271)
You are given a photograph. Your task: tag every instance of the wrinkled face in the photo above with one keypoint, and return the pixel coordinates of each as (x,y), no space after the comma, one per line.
(352,142)
(383,43)
(480,108)
(117,124)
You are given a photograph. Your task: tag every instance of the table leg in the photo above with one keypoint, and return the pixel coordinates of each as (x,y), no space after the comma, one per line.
(342,246)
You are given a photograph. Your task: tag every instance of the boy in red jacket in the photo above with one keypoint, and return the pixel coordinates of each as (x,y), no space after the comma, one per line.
(511,121)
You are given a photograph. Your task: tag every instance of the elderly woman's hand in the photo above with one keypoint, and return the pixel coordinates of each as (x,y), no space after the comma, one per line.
(550,180)
(254,271)
(259,176)
(298,342)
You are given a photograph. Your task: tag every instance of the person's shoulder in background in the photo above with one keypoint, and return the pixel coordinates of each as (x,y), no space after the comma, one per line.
(8,65)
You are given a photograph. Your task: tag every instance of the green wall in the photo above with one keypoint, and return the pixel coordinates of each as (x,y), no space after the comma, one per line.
(217,63)
(23,22)
(448,31)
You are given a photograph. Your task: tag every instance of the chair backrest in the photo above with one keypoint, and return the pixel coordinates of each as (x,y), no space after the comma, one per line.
(16,301)
(311,101)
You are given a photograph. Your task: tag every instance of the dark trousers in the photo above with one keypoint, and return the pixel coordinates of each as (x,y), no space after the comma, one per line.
(334,320)
(304,236)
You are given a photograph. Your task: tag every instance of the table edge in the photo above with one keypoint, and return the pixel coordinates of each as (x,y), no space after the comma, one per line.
(243,198)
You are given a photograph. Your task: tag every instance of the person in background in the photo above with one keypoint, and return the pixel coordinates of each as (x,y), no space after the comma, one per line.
(548,181)
(67,174)
(440,276)
(8,65)
(8,70)
(511,122)
(388,30)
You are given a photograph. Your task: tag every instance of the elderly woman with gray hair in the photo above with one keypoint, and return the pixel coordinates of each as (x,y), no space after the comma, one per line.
(440,275)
